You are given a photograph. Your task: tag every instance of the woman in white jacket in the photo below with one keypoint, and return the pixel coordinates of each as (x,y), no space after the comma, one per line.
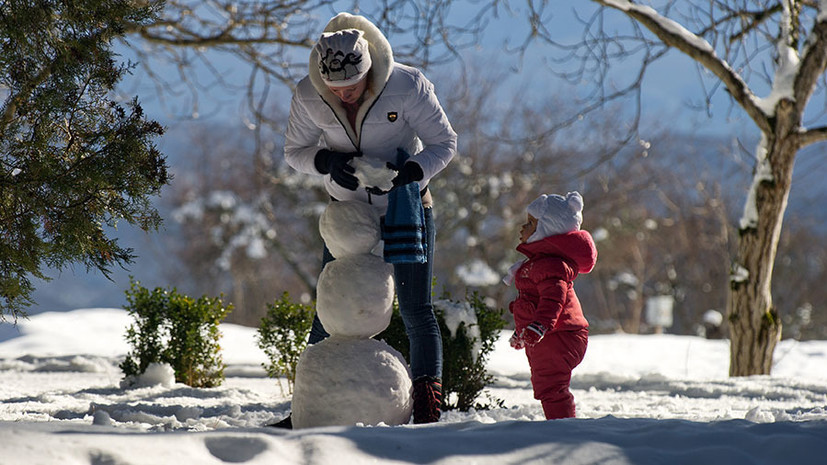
(357,102)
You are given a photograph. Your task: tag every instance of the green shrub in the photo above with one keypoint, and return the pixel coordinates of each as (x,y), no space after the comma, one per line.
(282,335)
(466,349)
(469,330)
(178,330)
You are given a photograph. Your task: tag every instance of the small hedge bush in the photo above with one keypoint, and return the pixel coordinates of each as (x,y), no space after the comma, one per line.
(469,330)
(178,330)
(282,335)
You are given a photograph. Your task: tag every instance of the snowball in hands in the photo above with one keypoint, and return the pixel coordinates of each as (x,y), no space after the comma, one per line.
(373,174)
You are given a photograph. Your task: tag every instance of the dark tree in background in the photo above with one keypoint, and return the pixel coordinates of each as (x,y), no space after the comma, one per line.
(73,160)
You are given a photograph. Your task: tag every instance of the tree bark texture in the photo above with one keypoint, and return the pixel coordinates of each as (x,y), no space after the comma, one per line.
(755,324)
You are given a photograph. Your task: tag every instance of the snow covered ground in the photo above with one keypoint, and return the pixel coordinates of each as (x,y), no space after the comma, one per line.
(640,399)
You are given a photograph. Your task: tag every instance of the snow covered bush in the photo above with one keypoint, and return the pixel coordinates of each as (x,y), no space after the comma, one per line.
(282,335)
(178,330)
(469,330)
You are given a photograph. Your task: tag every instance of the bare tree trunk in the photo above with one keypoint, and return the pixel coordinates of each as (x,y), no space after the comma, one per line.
(636,310)
(755,324)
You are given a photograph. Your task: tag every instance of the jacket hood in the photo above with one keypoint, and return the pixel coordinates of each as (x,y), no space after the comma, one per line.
(381,57)
(576,247)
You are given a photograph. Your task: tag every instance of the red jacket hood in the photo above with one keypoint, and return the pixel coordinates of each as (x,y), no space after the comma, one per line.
(576,247)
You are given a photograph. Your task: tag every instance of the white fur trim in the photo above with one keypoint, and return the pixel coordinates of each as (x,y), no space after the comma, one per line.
(381,57)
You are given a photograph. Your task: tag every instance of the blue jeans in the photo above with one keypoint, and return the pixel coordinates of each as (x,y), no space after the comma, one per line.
(413,290)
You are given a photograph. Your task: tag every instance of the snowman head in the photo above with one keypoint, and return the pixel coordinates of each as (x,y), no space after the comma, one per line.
(350,228)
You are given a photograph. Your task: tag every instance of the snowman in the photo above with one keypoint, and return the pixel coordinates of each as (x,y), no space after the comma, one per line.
(349,378)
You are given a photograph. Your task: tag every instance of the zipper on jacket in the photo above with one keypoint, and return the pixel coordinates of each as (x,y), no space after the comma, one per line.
(361,125)
(367,112)
(336,115)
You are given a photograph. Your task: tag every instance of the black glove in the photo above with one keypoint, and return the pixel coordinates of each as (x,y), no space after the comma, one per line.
(336,164)
(409,173)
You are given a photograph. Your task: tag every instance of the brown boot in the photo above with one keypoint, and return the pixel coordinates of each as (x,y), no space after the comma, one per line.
(427,399)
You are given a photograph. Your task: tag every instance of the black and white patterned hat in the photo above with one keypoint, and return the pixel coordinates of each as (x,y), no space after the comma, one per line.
(344,57)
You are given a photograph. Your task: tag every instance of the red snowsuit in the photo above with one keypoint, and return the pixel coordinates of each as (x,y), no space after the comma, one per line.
(546,295)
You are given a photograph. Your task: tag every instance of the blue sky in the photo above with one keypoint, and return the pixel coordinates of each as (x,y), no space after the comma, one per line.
(671,84)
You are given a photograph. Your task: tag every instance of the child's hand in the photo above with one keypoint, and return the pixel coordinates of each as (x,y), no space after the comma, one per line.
(532,334)
(516,342)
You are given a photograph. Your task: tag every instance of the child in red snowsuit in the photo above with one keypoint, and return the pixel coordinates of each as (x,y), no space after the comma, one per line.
(549,322)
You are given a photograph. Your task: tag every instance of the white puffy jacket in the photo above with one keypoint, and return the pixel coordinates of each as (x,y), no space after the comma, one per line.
(400,110)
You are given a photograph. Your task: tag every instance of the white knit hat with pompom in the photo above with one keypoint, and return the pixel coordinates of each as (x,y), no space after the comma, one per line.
(556,214)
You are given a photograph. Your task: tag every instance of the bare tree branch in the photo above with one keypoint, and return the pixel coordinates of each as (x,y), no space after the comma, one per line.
(755,18)
(813,62)
(675,35)
(812,136)
(270,39)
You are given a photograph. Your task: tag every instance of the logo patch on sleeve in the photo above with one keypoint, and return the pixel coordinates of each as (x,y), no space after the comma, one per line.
(392,116)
